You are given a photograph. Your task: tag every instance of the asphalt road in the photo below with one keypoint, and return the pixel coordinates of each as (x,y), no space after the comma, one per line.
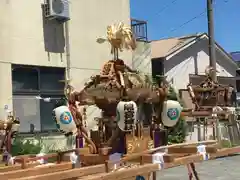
(227,168)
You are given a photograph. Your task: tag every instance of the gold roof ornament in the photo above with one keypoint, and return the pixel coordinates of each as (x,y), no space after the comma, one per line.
(120,36)
(209,71)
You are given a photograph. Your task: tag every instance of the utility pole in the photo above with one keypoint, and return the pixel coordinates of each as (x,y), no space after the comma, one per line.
(212,58)
(211,43)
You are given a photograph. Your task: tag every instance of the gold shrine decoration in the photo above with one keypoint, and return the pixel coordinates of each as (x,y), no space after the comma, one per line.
(120,36)
(138,144)
(134,144)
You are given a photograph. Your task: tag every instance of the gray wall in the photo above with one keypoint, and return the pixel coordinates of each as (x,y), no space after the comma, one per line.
(26,38)
(142,58)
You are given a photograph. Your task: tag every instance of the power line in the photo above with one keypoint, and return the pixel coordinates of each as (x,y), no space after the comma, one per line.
(167,6)
(189,21)
(185,23)
(193,18)
(180,26)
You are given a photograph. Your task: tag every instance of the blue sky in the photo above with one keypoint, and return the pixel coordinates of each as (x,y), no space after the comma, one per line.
(165,18)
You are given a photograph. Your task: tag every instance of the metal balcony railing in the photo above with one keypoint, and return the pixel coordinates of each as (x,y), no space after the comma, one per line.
(139,29)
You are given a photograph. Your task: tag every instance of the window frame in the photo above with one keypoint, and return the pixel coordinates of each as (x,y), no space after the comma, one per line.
(41,92)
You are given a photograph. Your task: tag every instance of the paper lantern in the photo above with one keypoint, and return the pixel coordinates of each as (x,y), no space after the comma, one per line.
(64,120)
(126,114)
(171,113)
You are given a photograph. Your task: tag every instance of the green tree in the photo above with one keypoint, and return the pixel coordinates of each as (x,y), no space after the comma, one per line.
(21,146)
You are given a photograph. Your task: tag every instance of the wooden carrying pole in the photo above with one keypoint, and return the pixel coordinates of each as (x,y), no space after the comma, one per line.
(179,154)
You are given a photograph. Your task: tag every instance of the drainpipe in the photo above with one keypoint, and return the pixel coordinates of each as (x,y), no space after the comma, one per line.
(67,70)
(68,61)
(79,138)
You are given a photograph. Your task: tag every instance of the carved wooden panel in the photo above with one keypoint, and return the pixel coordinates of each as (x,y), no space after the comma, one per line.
(210,96)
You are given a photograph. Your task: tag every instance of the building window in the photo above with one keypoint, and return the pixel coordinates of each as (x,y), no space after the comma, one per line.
(25,79)
(32,88)
(158,69)
(49,79)
(238,81)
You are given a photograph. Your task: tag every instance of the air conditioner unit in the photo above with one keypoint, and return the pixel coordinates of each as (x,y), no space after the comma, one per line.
(57,9)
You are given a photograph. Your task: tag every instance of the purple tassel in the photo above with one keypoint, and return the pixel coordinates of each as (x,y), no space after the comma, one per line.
(79,141)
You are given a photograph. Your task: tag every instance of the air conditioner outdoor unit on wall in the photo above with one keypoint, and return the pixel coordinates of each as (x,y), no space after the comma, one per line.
(57,9)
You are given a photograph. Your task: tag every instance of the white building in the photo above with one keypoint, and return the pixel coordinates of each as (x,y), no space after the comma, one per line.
(178,57)
(32,53)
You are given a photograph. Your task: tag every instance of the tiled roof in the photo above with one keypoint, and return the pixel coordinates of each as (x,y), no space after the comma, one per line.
(164,47)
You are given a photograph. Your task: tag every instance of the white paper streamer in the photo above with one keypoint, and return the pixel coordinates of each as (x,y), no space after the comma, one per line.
(48,99)
(38,97)
(114,158)
(42,160)
(11,160)
(157,158)
(201,149)
(73,158)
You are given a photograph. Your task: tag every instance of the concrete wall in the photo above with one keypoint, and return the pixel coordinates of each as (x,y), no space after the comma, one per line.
(206,134)
(142,58)
(194,60)
(193,135)
(25,38)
